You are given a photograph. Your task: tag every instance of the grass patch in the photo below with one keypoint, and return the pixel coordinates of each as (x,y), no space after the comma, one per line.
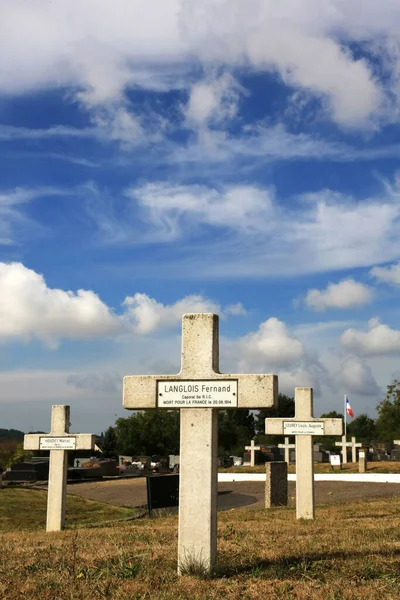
(25,509)
(350,552)
(373,467)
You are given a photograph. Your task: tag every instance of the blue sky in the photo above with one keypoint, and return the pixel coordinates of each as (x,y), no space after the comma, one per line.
(162,157)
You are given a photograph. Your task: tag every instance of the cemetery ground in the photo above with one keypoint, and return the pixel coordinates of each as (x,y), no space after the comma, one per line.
(25,509)
(350,551)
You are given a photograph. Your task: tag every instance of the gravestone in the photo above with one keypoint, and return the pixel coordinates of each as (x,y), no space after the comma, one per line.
(162,491)
(276,484)
(287,448)
(362,461)
(30,470)
(344,444)
(252,450)
(199,390)
(304,426)
(58,441)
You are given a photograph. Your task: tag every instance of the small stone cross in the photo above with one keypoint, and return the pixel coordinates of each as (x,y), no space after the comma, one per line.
(304,426)
(287,447)
(252,448)
(198,389)
(345,444)
(58,441)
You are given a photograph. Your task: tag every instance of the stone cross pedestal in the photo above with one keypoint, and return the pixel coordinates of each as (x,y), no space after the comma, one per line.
(198,390)
(58,441)
(344,444)
(287,447)
(252,449)
(304,426)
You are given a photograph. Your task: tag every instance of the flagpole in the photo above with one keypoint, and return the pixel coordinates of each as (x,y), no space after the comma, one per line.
(345,418)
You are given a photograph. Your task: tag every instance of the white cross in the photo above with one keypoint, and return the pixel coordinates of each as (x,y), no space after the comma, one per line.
(195,391)
(58,441)
(345,444)
(252,448)
(304,426)
(287,447)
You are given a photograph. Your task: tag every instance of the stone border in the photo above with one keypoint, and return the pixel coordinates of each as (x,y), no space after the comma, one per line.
(355,477)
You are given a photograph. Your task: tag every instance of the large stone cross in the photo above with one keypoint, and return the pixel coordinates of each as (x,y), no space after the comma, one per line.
(58,441)
(287,447)
(197,390)
(252,449)
(304,426)
(353,445)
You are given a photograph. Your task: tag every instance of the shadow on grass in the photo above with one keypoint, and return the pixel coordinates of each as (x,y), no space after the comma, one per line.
(311,566)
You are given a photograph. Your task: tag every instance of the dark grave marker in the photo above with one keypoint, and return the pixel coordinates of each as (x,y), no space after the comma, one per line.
(162,491)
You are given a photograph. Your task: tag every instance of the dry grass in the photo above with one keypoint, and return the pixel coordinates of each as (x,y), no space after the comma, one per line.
(351,551)
(25,509)
(373,467)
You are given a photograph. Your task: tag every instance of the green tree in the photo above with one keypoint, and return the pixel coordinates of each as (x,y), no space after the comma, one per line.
(285,408)
(235,430)
(109,443)
(148,432)
(328,441)
(363,428)
(388,421)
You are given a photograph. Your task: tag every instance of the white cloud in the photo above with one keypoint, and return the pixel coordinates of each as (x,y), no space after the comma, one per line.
(174,210)
(14,222)
(272,345)
(212,100)
(355,376)
(100,51)
(287,38)
(236,309)
(258,236)
(146,314)
(390,274)
(345,294)
(379,340)
(30,309)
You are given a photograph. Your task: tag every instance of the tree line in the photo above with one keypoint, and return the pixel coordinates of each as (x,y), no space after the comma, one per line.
(157,431)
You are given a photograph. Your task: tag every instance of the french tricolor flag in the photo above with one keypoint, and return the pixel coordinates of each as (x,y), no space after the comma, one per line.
(348,408)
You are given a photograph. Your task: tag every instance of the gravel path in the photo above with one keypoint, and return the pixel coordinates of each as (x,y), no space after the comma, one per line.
(132,492)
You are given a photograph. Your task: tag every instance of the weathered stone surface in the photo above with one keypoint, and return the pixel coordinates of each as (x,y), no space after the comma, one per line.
(276,484)
(197,533)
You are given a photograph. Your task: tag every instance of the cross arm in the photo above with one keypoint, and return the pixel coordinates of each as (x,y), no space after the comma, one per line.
(83,441)
(254,391)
